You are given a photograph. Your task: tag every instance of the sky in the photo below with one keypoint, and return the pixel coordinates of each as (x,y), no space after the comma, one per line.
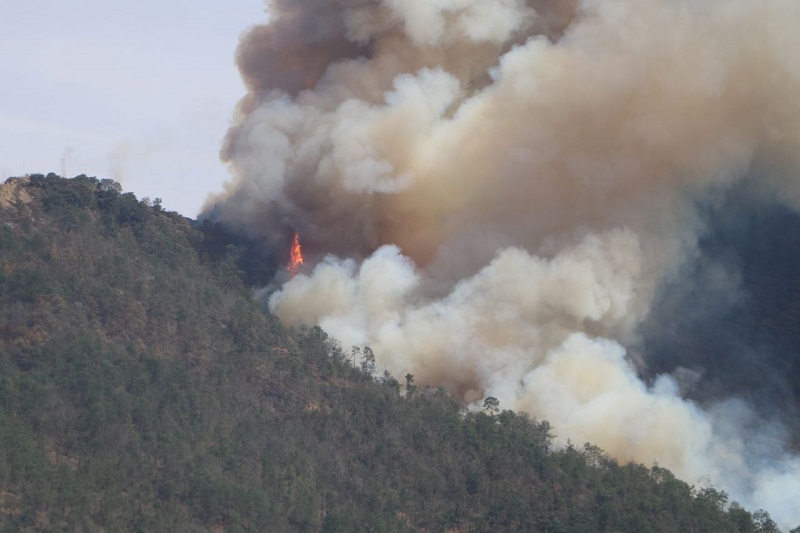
(142,92)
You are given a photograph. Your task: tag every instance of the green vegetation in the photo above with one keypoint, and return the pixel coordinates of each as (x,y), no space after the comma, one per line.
(141,389)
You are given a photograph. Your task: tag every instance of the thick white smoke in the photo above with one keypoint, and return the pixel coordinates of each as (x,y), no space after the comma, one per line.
(503,186)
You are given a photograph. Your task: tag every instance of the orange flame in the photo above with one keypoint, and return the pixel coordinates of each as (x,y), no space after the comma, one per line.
(296,255)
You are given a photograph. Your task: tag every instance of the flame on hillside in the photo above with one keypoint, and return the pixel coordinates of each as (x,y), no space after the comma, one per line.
(295,256)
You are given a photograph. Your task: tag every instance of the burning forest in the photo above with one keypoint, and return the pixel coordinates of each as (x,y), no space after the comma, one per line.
(295,255)
(514,199)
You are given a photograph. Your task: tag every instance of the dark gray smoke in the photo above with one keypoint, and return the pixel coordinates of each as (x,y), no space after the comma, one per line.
(730,321)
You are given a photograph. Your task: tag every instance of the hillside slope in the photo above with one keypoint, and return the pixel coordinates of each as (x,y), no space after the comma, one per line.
(142,389)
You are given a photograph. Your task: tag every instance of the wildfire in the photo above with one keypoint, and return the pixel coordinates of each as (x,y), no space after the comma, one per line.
(296,255)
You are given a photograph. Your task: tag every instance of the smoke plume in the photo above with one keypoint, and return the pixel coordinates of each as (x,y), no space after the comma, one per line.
(497,195)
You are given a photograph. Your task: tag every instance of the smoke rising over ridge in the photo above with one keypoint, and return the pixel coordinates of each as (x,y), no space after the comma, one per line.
(495,195)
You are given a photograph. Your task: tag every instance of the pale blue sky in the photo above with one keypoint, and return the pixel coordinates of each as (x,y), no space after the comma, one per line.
(139,91)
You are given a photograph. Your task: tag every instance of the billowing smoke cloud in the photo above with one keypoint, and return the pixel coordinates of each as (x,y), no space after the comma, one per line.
(495,193)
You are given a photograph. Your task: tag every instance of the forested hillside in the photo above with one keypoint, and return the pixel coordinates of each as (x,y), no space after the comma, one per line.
(141,389)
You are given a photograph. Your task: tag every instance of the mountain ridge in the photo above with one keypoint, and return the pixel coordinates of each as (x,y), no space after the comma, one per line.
(142,388)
